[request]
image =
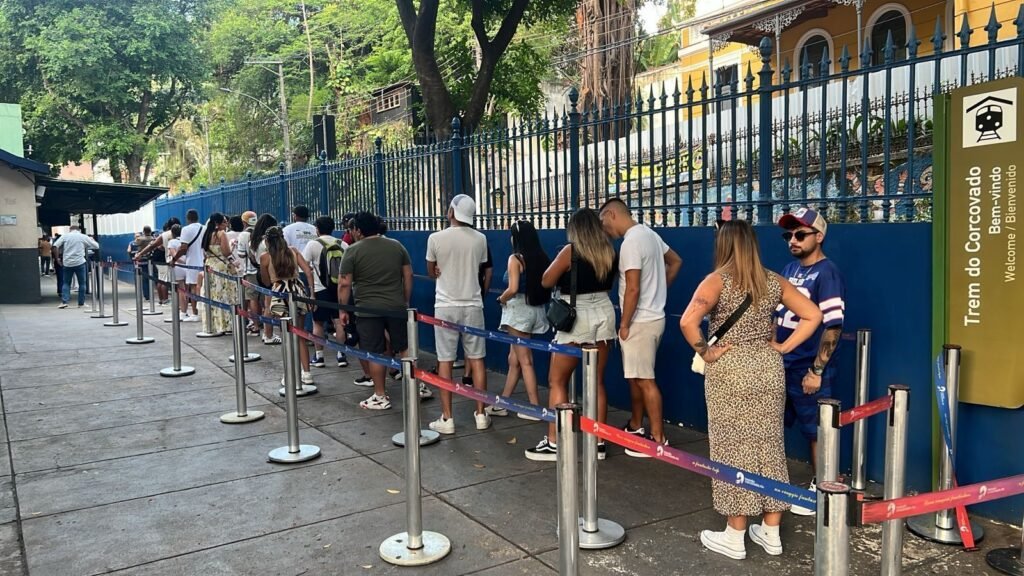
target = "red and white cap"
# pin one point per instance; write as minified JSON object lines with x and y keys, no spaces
{"x":804,"y":217}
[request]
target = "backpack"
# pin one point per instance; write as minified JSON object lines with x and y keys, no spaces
{"x":330,"y":263}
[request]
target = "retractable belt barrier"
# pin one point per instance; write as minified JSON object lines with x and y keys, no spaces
{"x":495,"y":400}
{"x":399,"y":314}
{"x":541,"y":345}
{"x":186,"y":267}
{"x":361,"y":354}
{"x":224,"y":275}
{"x":857,"y":413}
{"x":880,"y":511}
{"x":266,"y":291}
{"x":257,"y":317}
{"x":207,"y":301}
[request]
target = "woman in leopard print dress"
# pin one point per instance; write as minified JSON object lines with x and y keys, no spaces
{"x":745,"y":383}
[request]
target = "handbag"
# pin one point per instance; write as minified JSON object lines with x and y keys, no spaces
{"x":562,"y":314}
{"x":698,"y":364}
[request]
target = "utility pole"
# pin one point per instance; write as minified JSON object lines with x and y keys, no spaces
{"x":209,"y":153}
{"x":282,"y":116}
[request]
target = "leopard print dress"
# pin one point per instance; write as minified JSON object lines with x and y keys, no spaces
{"x":745,"y":392}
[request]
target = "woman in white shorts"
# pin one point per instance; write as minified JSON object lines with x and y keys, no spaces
{"x":522,"y":309}
{"x":596,"y":269}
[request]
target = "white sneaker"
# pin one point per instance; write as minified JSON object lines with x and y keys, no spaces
{"x":443,"y":426}
{"x":802,"y":511}
{"x":190,"y":318}
{"x":376,"y":402}
{"x":306,"y":377}
{"x":721,"y":543}
{"x":492,"y":411}
{"x":483,"y":421}
{"x":425,"y":392}
{"x":771,"y":544}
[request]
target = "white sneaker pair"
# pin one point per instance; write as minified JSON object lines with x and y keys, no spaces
{"x":730,"y":542}
{"x":447,"y":425}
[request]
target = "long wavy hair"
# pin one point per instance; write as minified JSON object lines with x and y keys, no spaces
{"x":281,"y":258}
{"x":590,"y":242}
{"x":216,"y":219}
{"x":526,"y":243}
{"x":738,"y":254}
{"x":260,"y":229}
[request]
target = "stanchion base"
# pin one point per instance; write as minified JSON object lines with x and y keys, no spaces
{"x":250,"y":357}
{"x":115,"y":323}
{"x":1006,"y":560}
{"x":101,"y":316}
{"x":143,"y":340}
{"x":924,"y":527}
{"x":183,"y":371}
{"x":304,"y":390}
{"x":152,"y":312}
{"x":608,"y":534}
{"x":168,"y":320}
{"x":427,"y":437}
{"x":872,"y":492}
{"x":208,"y":334}
{"x":236,"y":418}
{"x":394,"y":550}
{"x":283,"y":456}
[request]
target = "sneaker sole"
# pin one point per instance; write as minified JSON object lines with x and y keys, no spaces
{"x":374,"y":406}
{"x":527,"y":417}
{"x":714,"y":547}
{"x":364,"y":384}
{"x":545,"y":457}
{"x":801,"y":511}
{"x":636,"y":454}
{"x":443,"y":431}
{"x":771,"y":549}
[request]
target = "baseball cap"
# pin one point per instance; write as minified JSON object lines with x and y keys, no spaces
{"x":249,"y":217}
{"x":464,"y":208}
{"x":804,"y":217}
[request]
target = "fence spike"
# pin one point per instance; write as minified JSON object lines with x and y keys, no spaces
{"x":280,"y":167}
{"x":704,"y":85}
{"x":689,"y":89}
{"x":866,"y":53}
{"x":675,"y":91}
{"x":456,"y":127}
{"x":965,"y":33}
{"x":805,"y":64}
{"x":912,"y":42}
{"x":650,"y":98}
{"x":889,"y":52}
{"x":939,"y":37}
{"x":748,"y":80}
{"x":844,"y":59}
{"x":824,"y":64}
{"x":993,"y":26}
{"x":787,"y":71}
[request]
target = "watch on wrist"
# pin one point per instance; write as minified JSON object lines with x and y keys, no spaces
{"x":817,"y":371}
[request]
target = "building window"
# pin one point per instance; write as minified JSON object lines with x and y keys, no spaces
{"x":388,"y":101}
{"x":811,"y":52}
{"x":725,"y":78}
{"x":894,"y":21}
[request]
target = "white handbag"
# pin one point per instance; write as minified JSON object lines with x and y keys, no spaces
{"x":698,"y":364}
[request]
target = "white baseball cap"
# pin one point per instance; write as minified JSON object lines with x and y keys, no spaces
{"x":464,"y":208}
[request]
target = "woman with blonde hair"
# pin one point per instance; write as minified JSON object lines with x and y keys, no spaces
{"x":590,"y":251}
{"x":745,"y":385}
{"x":279,"y":268}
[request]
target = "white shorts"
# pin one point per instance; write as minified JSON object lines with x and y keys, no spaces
{"x":641,"y":348}
{"x":447,"y":341}
{"x":520,"y":316}
{"x":595,"y":320}
{"x":192,"y":276}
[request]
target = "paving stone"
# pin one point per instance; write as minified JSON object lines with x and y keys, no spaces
{"x":95,"y":484}
{"x":144,"y":368}
{"x":112,"y":353}
{"x":8,"y":509}
{"x":11,"y":561}
{"x":94,"y":445}
{"x":525,"y":567}
{"x":95,"y":391}
{"x":149,"y":529}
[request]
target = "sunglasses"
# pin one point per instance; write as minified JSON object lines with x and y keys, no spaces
{"x":800,"y":235}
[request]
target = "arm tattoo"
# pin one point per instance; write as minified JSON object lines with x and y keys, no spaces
{"x":828,"y":345}
{"x":701,"y":346}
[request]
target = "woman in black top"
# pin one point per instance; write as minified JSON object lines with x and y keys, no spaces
{"x":596,"y":269}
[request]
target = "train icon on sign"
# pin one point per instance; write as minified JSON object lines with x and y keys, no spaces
{"x":988,"y":117}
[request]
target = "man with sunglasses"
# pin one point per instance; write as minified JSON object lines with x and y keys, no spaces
{"x":808,"y":374}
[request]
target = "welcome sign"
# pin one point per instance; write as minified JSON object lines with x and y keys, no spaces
{"x":985,"y":294}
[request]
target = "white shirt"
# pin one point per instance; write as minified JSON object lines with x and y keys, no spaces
{"x":458,"y":252}
{"x":312,"y":253}
{"x":643,"y":250}
{"x":298,"y":234}
{"x":193,"y":236}
{"x":242,"y":252}
{"x":73,"y":246}
{"x":165,"y":240}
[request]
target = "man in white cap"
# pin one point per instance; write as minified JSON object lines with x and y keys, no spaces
{"x":454,"y":256}
{"x":808,"y":374}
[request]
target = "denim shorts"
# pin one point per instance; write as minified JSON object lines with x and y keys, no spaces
{"x":802,"y":409}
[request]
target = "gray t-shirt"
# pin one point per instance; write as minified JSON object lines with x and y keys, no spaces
{"x":458,"y":252}
{"x":73,"y":246}
{"x":376,"y":264}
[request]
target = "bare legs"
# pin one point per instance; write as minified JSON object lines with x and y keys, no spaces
{"x":520,"y":361}
{"x":558,"y":380}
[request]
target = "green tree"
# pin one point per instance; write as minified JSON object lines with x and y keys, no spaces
{"x":662,"y":47}
{"x":99,"y":80}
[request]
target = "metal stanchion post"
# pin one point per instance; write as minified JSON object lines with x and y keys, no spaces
{"x":241,"y":414}
{"x":860,"y":431}
{"x":895,"y":477}
{"x":97,"y":289}
{"x":114,"y":320}
{"x":291,"y":340}
{"x":91,"y":271}
{"x":828,"y":440}
{"x":1008,"y":560}
{"x":427,"y":437}
{"x":595,"y":533}
{"x":941,"y":527}
{"x":140,"y":338}
{"x":208,"y":331}
{"x":151,"y":270}
{"x":567,"y":424}
{"x":414,"y":547}
{"x":176,"y":369}
{"x":172,"y":293}
{"x":832,"y":548}
{"x":293,"y":452}
{"x":240,"y":302}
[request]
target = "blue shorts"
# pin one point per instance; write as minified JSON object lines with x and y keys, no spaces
{"x":802,"y":409}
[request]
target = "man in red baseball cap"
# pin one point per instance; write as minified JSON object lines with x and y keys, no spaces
{"x":808,"y":373}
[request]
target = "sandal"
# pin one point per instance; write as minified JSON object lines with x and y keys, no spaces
{"x":275,"y":339}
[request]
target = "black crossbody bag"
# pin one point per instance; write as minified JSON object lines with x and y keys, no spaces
{"x":697,"y":365}
{"x":562,"y":314}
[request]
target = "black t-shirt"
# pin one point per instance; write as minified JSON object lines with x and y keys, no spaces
{"x":483,"y":269}
{"x":586,"y":279}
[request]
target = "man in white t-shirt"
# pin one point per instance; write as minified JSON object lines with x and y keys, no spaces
{"x":454,"y":256}
{"x":646,"y":268}
{"x":300,"y":231}
{"x":324,"y":289}
{"x":192,"y":250}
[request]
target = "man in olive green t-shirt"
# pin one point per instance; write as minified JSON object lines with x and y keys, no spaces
{"x":381,"y":272}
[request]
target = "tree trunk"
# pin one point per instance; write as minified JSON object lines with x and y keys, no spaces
{"x":608,"y":30}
